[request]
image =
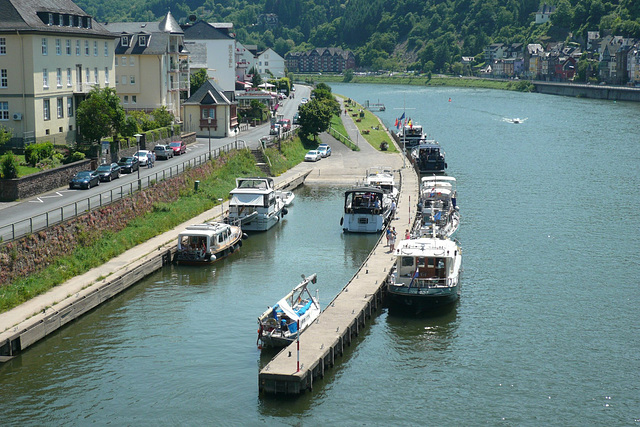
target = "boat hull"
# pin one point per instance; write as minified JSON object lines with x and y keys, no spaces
{"x":262,"y":222}
{"x":364,"y":223}
{"x":421,"y":300}
{"x":191,"y":258}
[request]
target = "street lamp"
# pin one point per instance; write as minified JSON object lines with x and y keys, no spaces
{"x":138,"y":136}
{"x":237,"y":132}
{"x":209,"y":127}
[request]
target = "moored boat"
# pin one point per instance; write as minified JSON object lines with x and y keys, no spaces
{"x":255,"y":204}
{"x":426,"y":275}
{"x":366,"y":210}
{"x":411,"y":135}
{"x":281,"y":324}
{"x":286,"y":196}
{"x":208,"y":242}
{"x":383,"y":178}
{"x":428,"y":157}
{"x":438,"y":212}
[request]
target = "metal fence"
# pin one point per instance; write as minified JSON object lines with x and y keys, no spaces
{"x":52,"y":217}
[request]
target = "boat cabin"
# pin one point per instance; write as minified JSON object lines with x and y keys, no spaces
{"x":427,"y":264}
{"x":207,"y":242}
{"x":364,"y":200}
{"x":429,"y":157}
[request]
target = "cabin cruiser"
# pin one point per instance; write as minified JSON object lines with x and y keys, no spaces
{"x":208,"y":242}
{"x":411,"y":135}
{"x":282,"y":323}
{"x":426,"y":274}
{"x":428,"y":157}
{"x":255,"y":204}
{"x":383,"y":178}
{"x":366,"y":210}
{"x":438,"y":212}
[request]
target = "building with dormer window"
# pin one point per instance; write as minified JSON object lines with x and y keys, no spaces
{"x":151,"y":65}
{"x":52,"y":54}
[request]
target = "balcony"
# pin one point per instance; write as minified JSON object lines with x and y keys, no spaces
{"x":84,"y":87}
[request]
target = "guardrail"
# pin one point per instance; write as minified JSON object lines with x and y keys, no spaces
{"x":343,"y":138}
{"x":52,"y":217}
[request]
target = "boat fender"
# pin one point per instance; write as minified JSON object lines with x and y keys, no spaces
{"x":341,"y":221}
{"x":213,"y":258}
{"x":232,"y":249}
{"x":245,"y":236}
{"x":207,"y":256}
{"x":239,"y":243}
{"x":284,"y":211}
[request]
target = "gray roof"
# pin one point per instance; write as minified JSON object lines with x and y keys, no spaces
{"x":203,"y":31}
{"x":210,"y":94}
{"x":22,"y":15}
{"x":157,"y":34}
{"x":197,"y":54}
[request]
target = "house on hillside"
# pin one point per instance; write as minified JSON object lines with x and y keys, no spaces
{"x":216,"y":51}
{"x":211,"y":111}
{"x":245,"y":61}
{"x":543,"y":15}
{"x":532,"y":62}
{"x":493,"y":52}
{"x":152,"y":65}
{"x":51,"y":55}
{"x":633,"y":64}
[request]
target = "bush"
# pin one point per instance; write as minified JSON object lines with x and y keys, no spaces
{"x":74,"y":157}
{"x":9,"y":166}
{"x":36,"y":153}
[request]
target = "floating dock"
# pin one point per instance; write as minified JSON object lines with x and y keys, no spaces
{"x":341,"y":321}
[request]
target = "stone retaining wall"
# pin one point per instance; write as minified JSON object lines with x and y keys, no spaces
{"x":41,"y":182}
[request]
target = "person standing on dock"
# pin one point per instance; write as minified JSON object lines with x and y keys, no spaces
{"x":388,"y":236}
{"x":392,"y":240}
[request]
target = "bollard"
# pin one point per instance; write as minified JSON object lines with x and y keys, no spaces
{"x":196,"y":184}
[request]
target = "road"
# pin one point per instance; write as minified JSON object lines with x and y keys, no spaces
{"x":38,"y":206}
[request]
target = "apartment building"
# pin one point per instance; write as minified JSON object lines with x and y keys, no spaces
{"x":151,"y":65}
{"x":52,"y":54}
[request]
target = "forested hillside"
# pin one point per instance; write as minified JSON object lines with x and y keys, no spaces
{"x":385,"y":34}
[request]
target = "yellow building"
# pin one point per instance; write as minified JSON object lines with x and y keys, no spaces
{"x":51,"y":55}
{"x":151,"y":65}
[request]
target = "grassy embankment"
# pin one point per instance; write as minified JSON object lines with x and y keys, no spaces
{"x":369,"y":127}
{"x":416,"y":81}
{"x":163,"y":217}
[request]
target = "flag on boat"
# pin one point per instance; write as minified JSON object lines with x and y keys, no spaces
{"x":438,"y":215}
{"x":397,"y":125}
{"x":402,"y":117}
{"x":410,"y":124}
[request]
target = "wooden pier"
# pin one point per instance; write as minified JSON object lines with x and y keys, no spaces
{"x":325,"y":340}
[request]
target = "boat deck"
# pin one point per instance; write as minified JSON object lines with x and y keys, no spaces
{"x":343,"y":318}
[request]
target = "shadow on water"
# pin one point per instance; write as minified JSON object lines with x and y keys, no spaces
{"x":427,"y":331}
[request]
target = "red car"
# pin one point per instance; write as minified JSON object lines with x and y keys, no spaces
{"x":178,"y":147}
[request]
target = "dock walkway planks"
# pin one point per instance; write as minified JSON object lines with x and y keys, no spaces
{"x":343,"y":318}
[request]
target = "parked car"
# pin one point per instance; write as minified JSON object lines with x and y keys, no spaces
{"x":178,"y":147}
{"x":143,"y":156}
{"x":163,"y":152}
{"x":285,"y":124}
{"x":304,"y":101}
{"x":312,"y":156}
{"x":275,"y":129}
{"x":128,"y":164}
{"x":84,"y":179}
{"x":324,"y":150}
{"x":107,"y":172}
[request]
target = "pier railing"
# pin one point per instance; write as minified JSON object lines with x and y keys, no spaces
{"x":343,"y":138}
{"x":52,"y":217}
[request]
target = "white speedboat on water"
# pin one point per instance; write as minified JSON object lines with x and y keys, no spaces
{"x":281,"y":324}
{"x":286,"y":196}
{"x":438,"y":212}
{"x":208,"y":242}
{"x":255,"y":204}
{"x":426,"y":274}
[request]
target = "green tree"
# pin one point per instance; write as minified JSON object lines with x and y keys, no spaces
{"x":163,"y":117}
{"x":9,"y":166}
{"x":100,"y":115}
{"x":5,"y":135}
{"x":315,"y":117}
{"x":198,"y":79}
{"x":348,"y":75}
{"x":256,"y":80}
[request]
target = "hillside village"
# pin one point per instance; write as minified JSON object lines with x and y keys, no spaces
{"x":52,"y":57}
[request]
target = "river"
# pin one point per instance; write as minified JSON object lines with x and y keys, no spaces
{"x":546,"y":332}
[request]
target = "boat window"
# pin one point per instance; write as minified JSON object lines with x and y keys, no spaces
{"x":220,"y":238}
{"x":431,"y":262}
{"x":421,"y":262}
{"x":407,"y":261}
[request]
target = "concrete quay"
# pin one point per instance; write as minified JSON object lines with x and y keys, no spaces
{"x":26,"y":324}
{"x":347,"y":313}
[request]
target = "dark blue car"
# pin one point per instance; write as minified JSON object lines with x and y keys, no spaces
{"x":84,"y":180}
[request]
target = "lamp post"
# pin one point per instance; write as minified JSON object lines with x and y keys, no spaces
{"x":138,"y":136}
{"x":209,"y":127}
{"x":237,"y":132}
